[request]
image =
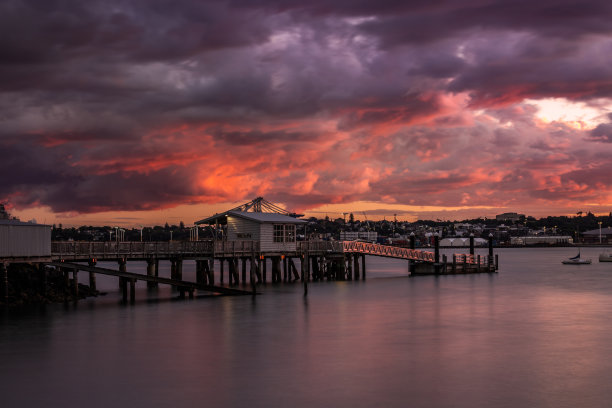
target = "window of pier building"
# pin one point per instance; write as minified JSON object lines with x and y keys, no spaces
{"x":284,"y":233}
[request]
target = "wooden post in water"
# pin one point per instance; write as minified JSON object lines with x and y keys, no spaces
{"x":173,"y":268}
{"x":444,"y":263}
{"x":454,"y":263}
{"x":150,"y":271}
{"x":4,"y":280}
{"x":252,"y":272}
{"x":123,"y":284}
{"x":92,"y":276}
{"x":436,"y":248}
{"x":411,"y":263}
{"x":478,"y":260}
{"x":490,"y":261}
{"x":437,"y":253}
{"x":75,"y":283}
{"x":211,"y":270}
{"x":199,"y":272}
{"x":132,"y":290}
{"x":285,"y":269}
{"x":349,"y":268}
{"x":236,"y":277}
{"x":220,"y":270}
{"x":244,"y":260}
{"x":156,"y":268}
{"x":264,"y":261}
{"x":179,"y":269}
{"x":363,"y":266}
{"x":276,"y":273}
{"x":122,"y":268}
{"x":472,"y":244}
{"x":356,"y":266}
{"x":293,"y":268}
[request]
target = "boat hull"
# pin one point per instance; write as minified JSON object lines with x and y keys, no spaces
{"x":578,"y":262}
{"x":605,"y":257}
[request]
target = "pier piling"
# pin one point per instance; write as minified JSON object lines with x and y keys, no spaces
{"x":92,"y":276}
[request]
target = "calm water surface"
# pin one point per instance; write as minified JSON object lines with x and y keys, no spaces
{"x":538,"y":334}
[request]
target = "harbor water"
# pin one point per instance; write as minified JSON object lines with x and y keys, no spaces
{"x":536,"y":334}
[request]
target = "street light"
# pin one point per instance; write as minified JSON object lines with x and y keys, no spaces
{"x":599,"y":222}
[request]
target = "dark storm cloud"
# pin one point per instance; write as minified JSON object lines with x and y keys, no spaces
{"x":131,"y":104}
{"x":602,"y":133}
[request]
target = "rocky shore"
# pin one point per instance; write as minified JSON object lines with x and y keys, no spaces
{"x":29,"y":285}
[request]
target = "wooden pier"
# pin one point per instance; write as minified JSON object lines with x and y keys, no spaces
{"x":253,"y":239}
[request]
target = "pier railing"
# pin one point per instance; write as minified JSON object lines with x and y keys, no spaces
{"x":80,"y":250}
{"x":471,"y":259}
{"x":319,"y":246}
{"x":111,"y":250}
{"x":387,"y":251}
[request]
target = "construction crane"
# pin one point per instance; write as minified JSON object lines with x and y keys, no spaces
{"x":367,"y":222}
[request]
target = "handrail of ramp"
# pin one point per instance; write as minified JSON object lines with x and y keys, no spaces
{"x":387,"y":250}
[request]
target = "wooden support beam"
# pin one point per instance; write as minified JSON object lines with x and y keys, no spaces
{"x":75,"y":283}
{"x":363,"y":266}
{"x":296,"y":275}
{"x":285,"y":269}
{"x":211,"y":271}
{"x":232,"y":270}
{"x":276,"y":269}
{"x":244,"y":270}
{"x":199,"y":273}
{"x":356,"y":266}
{"x":236,"y":274}
{"x":150,"y":272}
{"x":122,"y":268}
{"x":316,"y":272}
{"x":349,"y":270}
{"x":132,"y":290}
{"x":124,"y":289}
{"x":92,"y":276}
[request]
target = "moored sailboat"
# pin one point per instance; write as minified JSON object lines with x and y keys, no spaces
{"x":576,"y":260}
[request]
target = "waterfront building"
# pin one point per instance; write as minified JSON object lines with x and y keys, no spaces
{"x":593,"y":236}
{"x":273,"y":228}
{"x":542,"y":240}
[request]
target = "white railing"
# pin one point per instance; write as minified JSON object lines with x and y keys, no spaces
{"x":470,"y":259}
{"x":388,"y":251}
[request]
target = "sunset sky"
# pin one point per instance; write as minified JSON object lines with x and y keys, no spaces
{"x":145,"y":112}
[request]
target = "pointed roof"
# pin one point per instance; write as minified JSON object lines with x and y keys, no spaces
{"x":259,"y":209}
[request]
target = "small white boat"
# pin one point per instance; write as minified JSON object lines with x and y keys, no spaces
{"x":605,"y":257}
{"x":576,"y":260}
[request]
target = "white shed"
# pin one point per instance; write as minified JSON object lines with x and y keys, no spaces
{"x":24,"y":240}
{"x":273,"y":230}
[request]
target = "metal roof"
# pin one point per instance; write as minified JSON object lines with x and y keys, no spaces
{"x":18,"y":222}
{"x":263,"y":218}
{"x":257,"y":206}
{"x":604,"y":231}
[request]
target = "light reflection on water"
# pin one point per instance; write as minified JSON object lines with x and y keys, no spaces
{"x":535,"y":335}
